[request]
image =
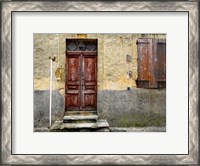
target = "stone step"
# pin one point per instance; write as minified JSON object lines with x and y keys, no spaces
{"x":100,"y":125}
{"x":79,"y":118}
{"x":81,"y":113}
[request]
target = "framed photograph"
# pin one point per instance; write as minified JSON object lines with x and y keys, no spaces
{"x":99,"y":82}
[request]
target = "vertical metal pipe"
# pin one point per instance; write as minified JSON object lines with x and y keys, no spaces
{"x":50,"y":89}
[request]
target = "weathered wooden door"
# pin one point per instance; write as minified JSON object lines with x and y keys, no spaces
{"x":81,"y":76}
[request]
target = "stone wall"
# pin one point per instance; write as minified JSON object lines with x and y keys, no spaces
{"x":137,"y":107}
{"x":114,"y":100}
{"x":41,"y":107}
{"x":123,"y":108}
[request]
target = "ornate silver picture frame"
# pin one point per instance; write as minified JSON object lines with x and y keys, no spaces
{"x":8,"y":7}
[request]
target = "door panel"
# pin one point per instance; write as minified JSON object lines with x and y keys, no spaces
{"x":89,"y":68}
{"x":73,"y":83}
{"x":89,"y":82}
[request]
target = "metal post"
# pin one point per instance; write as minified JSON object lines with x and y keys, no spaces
{"x":51,"y":86}
{"x":50,"y":89}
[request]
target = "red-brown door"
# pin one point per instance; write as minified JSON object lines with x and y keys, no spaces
{"x":89,"y":82}
{"x":81,"y":81}
{"x":72,"y":95}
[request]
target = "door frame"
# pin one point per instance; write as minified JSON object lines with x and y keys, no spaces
{"x":81,"y":53}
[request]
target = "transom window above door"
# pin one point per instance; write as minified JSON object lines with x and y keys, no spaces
{"x":82,"y":45}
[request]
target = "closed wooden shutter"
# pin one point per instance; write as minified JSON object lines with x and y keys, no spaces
{"x":151,"y":63}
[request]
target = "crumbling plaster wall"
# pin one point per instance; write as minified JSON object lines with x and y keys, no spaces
{"x":113,"y":69}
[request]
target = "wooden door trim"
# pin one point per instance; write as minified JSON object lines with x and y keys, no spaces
{"x":74,"y":53}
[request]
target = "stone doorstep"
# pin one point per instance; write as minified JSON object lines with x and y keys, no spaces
{"x":80,"y":117}
{"x":70,"y":113}
{"x":98,"y":124}
{"x":59,"y":125}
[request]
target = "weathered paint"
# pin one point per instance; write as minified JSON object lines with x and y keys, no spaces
{"x":113,"y":67}
{"x":151,"y":63}
{"x":114,"y":75}
{"x":125,"y":108}
{"x":81,"y":80}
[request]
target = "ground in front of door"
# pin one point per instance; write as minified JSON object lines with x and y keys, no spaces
{"x":117,"y":129}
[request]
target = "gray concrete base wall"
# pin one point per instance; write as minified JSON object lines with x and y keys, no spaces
{"x":41,"y":107}
{"x":124,"y":108}
{"x":137,"y":107}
